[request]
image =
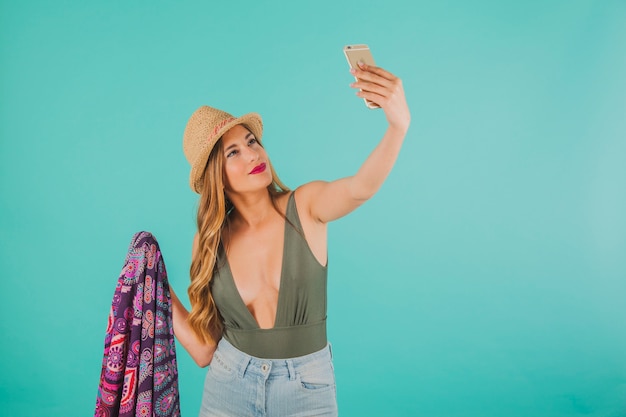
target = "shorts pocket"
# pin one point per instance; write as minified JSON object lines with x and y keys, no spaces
{"x":220,"y":369}
{"x":319,"y":378}
{"x":315,"y":386}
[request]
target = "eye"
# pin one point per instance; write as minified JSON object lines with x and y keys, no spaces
{"x":252,"y":141}
{"x":232,"y":153}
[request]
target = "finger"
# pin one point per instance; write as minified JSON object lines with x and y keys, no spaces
{"x":371,"y":87}
{"x":392,"y":89}
{"x":370,"y":77}
{"x":373,"y":97}
{"x":368,"y":74}
{"x":382,"y":96}
{"x":377,"y":70}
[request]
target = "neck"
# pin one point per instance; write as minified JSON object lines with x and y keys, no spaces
{"x":252,"y":210}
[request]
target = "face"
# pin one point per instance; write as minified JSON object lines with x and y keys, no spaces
{"x":246,"y":164}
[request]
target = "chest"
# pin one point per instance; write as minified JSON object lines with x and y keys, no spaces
{"x":256,"y":263}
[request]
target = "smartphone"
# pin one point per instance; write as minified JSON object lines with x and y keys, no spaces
{"x":360,"y":53}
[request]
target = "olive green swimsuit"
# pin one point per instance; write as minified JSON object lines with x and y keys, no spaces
{"x":300,"y":325}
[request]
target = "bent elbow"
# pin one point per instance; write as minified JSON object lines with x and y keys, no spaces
{"x":203,"y":362}
{"x":361,"y":194}
{"x":362,"y":189}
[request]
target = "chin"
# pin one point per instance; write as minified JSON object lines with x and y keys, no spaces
{"x":267,"y":175}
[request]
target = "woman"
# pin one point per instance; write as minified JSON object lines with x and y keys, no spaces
{"x":258,"y":273}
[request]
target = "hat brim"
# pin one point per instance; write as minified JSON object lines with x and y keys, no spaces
{"x":252,"y":121}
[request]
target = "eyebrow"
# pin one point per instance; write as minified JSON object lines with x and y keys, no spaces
{"x":234,"y":145}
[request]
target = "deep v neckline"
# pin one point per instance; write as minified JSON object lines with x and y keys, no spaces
{"x":280,"y":283}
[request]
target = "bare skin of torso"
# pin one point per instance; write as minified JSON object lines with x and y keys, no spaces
{"x":255,"y":257}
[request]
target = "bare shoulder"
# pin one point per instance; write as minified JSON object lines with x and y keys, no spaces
{"x":307,"y":192}
{"x":315,"y":231}
{"x":282,"y":200}
{"x":305,"y":195}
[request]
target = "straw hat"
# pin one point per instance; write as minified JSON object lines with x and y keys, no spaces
{"x":204,"y":128}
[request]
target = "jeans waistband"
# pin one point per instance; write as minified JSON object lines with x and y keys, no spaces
{"x":243,"y":363}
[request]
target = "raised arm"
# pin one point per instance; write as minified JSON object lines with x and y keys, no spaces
{"x":327,"y":201}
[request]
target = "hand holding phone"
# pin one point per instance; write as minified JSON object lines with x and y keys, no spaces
{"x":356,"y":54}
{"x":378,"y":87}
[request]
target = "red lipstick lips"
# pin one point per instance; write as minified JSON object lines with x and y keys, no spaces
{"x":258,"y":169}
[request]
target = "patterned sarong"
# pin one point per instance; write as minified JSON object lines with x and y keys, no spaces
{"x":139,"y":374}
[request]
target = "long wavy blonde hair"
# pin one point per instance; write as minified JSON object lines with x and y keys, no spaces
{"x":213,"y":211}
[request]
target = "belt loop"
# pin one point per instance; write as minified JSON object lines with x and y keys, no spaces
{"x":243,"y":366}
{"x":330,"y":349}
{"x":291,"y":369}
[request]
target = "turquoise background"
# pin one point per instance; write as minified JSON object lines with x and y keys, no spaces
{"x":486,"y":278}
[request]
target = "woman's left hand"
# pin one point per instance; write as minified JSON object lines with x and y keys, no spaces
{"x":386,"y":90}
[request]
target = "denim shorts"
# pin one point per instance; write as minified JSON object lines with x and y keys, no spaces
{"x":241,"y":385}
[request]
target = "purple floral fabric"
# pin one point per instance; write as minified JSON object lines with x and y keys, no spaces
{"x":139,"y":373}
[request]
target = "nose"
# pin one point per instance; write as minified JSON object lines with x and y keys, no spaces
{"x":252,"y":154}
